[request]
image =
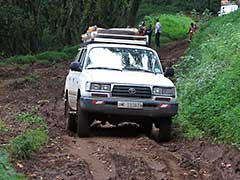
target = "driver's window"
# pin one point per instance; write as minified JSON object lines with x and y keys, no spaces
{"x":78,"y":57}
{"x":83,"y":55}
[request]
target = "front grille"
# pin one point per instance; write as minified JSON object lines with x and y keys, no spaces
{"x":131,"y":91}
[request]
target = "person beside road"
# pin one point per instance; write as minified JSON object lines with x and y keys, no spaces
{"x":158,"y":28}
{"x":192,"y":29}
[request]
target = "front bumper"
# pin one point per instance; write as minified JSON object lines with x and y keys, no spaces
{"x":109,"y":106}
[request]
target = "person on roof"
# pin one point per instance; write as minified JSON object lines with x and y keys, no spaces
{"x":142,"y":29}
{"x":92,"y":29}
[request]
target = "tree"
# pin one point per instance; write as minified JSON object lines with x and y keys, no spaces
{"x":32,"y":26}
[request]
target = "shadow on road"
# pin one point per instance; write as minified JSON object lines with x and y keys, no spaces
{"x":126,"y":130}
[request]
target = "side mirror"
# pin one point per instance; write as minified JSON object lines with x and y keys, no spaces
{"x":75,"y":66}
{"x":169,"y":72}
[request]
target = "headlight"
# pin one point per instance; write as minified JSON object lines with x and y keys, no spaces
{"x":100,"y":87}
{"x":164,"y":91}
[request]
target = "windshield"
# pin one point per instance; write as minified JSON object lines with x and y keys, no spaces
{"x":128,"y":59}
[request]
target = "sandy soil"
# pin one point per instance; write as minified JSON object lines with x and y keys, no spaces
{"x":111,"y":153}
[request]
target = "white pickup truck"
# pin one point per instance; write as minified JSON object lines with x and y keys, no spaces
{"x":227,"y":8}
{"x":117,"y":78}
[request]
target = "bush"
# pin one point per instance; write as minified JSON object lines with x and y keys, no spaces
{"x":52,"y":56}
{"x":208,"y":80}
{"x":71,"y":51}
{"x":174,"y":27}
{"x":21,"y":59}
{"x":6,"y":170}
{"x":24,"y":144}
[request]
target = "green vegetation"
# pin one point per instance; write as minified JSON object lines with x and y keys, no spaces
{"x":31,"y":78}
{"x":48,"y":57}
{"x":70,"y":51}
{"x":7,"y":172}
{"x":24,"y":144}
{"x":3,"y":127}
{"x":21,"y":59}
{"x":174,"y":27}
{"x":209,"y":83}
{"x":155,"y":7}
{"x":31,"y":119}
{"x":44,"y":58}
{"x":51,"y":56}
{"x":31,"y":140}
{"x":31,"y":27}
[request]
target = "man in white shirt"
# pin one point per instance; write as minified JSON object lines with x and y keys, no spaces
{"x":158,"y":28}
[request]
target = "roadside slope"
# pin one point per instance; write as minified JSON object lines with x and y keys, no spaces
{"x":208,"y":81}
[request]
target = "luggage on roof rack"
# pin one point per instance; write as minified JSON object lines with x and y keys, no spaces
{"x":115,"y":35}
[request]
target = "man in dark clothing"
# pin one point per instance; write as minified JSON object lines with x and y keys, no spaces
{"x":149,"y":33}
{"x":158,"y":27}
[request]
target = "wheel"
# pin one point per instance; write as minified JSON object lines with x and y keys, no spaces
{"x":83,"y":124}
{"x":71,"y":124}
{"x":146,"y":128}
{"x":165,"y":128}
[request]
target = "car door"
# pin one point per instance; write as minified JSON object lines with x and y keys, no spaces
{"x":71,"y":79}
{"x":76,"y":78}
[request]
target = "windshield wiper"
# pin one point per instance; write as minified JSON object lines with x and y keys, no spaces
{"x":114,"y":69}
{"x":136,"y":69}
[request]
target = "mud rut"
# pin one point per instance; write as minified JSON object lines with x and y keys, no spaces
{"x":111,"y":153}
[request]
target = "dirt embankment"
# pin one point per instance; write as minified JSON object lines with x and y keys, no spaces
{"x":110,"y":154}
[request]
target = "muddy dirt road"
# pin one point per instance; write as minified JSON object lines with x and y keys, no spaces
{"x":111,"y":153}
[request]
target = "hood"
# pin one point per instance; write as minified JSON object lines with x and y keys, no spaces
{"x":127,"y":77}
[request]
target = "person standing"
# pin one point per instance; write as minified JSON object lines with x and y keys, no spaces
{"x":149,"y":33}
{"x":191,"y":30}
{"x":158,"y":28}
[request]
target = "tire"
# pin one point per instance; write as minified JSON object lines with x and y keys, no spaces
{"x":165,"y":129}
{"x":83,"y":124}
{"x":146,"y":128}
{"x":71,"y":124}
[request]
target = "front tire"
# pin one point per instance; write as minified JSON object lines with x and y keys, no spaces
{"x":71,"y":124}
{"x":83,"y":124}
{"x":146,"y":128}
{"x":165,"y":129}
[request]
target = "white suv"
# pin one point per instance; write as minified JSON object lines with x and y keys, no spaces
{"x":119,"y":81}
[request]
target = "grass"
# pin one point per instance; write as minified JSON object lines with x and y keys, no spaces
{"x":52,"y":56}
{"x":208,"y":82}
{"x":174,"y":27}
{"x":22,"y":59}
{"x":3,"y":127}
{"x":24,"y":144}
{"x":148,"y":9}
{"x":7,"y":172}
{"x":31,"y":140}
{"x":31,"y":77}
{"x":71,"y":51}
{"x":48,"y":57}
{"x":31,"y":119}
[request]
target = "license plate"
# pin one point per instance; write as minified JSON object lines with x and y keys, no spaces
{"x":130,"y":105}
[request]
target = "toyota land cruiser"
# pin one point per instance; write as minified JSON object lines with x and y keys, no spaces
{"x":117,"y":78}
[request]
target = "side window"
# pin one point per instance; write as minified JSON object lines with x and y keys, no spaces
{"x":78,"y":57}
{"x":82,"y":58}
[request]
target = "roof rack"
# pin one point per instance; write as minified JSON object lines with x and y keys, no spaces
{"x":116,"y":35}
